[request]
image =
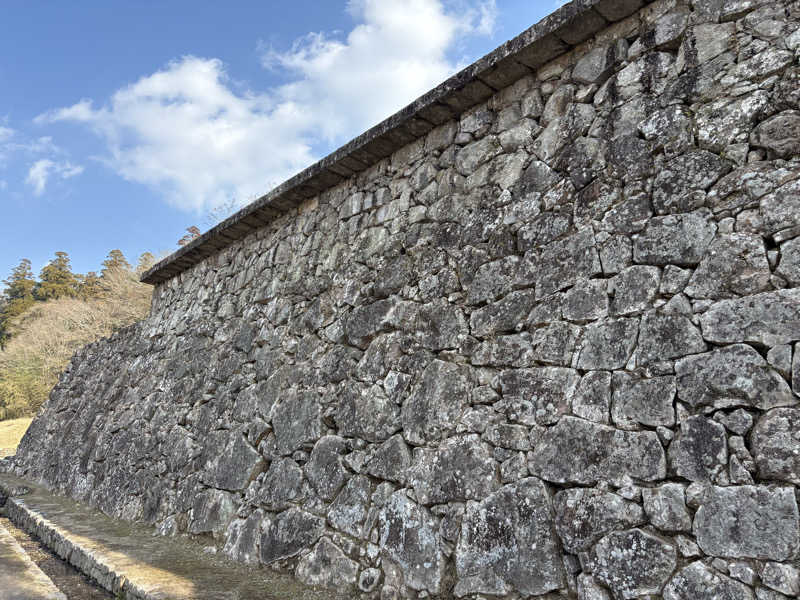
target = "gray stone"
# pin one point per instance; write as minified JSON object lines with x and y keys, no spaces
{"x":748,"y":522}
{"x":436,"y":402}
{"x":512,"y":437}
{"x":598,"y":64}
{"x":781,"y":578}
{"x":607,"y":344}
{"x":587,"y":300}
{"x":212,"y":511}
{"x":590,"y":589}
{"x":349,"y":510}
{"x":633,"y":563}
{"x":582,"y":452}
{"x":460,"y":469}
{"x":735,"y":375}
{"x":780,"y":209}
{"x":554,"y":343}
{"x":238,"y":464}
{"x":699,"y":582}
{"x":563,"y":262}
{"x":493,"y":280}
{"x":243,"y":538}
{"x":674,"y":280}
{"x":779,"y":134}
{"x":680,"y":240}
{"x":369,"y":579}
{"x":672,"y":129}
{"x":683,"y":176}
{"x":539,"y":395}
{"x":325,"y":470}
{"x":367,"y":413}
{"x":390,"y":460}
{"x":507,"y":315}
{"x":440,"y":325}
{"x":327,"y":566}
{"x":592,"y":399}
{"x":665,"y":506}
{"x":700,"y":451}
{"x":789,"y":267}
{"x":280,"y":485}
{"x":634,"y":290}
{"x":365,"y":322}
{"x":408,"y":538}
{"x":289,"y":534}
{"x":297,"y":420}
{"x":642,"y":401}
{"x":508,"y":544}
{"x":776,"y":445}
{"x":665,"y":336}
{"x":780,"y":358}
{"x":583,"y":516}
{"x":738,"y":421}
{"x":736,"y":265}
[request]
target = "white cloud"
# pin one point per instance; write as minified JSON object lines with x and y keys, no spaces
{"x":3,"y":184}
{"x":187,"y":133}
{"x":5,"y":133}
{"x":42,"y":170}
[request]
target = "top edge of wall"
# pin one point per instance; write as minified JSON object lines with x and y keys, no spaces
{"x":551,"y":37}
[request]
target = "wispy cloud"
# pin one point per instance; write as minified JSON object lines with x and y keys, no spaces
{"x":187,"y":132}
{"x":43,"y":170}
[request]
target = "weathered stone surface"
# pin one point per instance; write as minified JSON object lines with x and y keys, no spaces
{"x":598,"y":64}
{"x":288,"y":534}
{"x":325,"y":470}
{"x":563,"y":262}
{"x":328,"y":567}
{"x":390,"y":460}
{"x":539,"y":395}
{"x":586,"y":301}
{"x":583,"y":516}
{"x":664,"y":336}
{"x":508,"y":543}
{"x":460,"y":469}
{"x":297,"y":420}
{"x":781,"y":578}
{"x":633,"y":563}
{"x":349,"y":509}
{"x":699,"y":582}
{"x":212,"y":511}
{"x":592,"y":399}
{"x":776,"y":445}
{"x":607,"y":344}
{"x":436,"y":402}
{"x":237,"y":466}
{"x":770,"y":319}
{"x":680,"y":240}
{"x":367,"y":413}
{"x":243,"y":538}
{"x":493,"y":280}
{"x":683,"y":176}
{"x":280,"y":485}
{"x":748,"y":522}
{"x":789,"y":267}
{"x":665,"y":506}
{"x":700,"y":450}
{"x":779,"y":134}
{"x":634,"y":290}
{"x":735,"y":375}
{"x":507,"y":315}
{"x":642,"y":401}
{"x":736,"y":265}
{"x":582,"y":452}
{"x":408,"y":537}
{"x":365,"y":322}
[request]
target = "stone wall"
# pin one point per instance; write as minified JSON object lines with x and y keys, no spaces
{"x":548,"y":348}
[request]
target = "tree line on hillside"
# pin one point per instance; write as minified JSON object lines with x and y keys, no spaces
{"x":57,"y":280}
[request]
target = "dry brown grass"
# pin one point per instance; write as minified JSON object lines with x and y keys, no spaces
{"x":46,"y":336}
{"x":11,"y":433}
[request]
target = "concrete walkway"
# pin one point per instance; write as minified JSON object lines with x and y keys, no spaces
{"x":20,"y":578}
{"x":126,"y":559}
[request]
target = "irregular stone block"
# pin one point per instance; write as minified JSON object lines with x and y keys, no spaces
{"x":607,"y":344}
{"x":409,"y":538}
{"x":493,"y":280}
{"x":280,"y":485}
{"x":508,"y":543}
{"x":770,"y":319}
{"x":634,"y":290}
{"x":581,"y":452}
{"x":789,"y":267}
{"x":325,"y":469}
{"x":440,"y":325}
{"x":598,"y":64}
{"x":642,"y":401}
{"x":563,"y":262}
{"x":665,"y":336}
{"x":237,"y":465}
{"x":328,"y":567}
{"x":297,"y":420}
{"x":432,"y":410}
{"x":680,"y":240}
{"x":583,"y":516}
{"x":542,"y":393}
{"x":349,"y":510}
{"x":288,"y":534}
{"x":212,"y":511}
{"x":243,"y":537}
{"x":776,"y":445}
{"x":365,"y":322}
{"x":666,"y":507}
{"x":684,"y":175}
{"x":460,"y":469}
{"x":700,"y":450}
{"x":699,"y":582}
{"x":633,"y":563}
{"x":779,"y":134}
{"x":736,"y":265}
{"x":782,"y":578}
{"x":586,"y":301}
{"x":748,"y":522}
{"x":367,"y":413}
{"x":592,"y":399}
{"x":735,"y":375}
{"x":390,"y":460}
{"x":507,"y":315}
{"x":554,"y":344}
{"x":781,"y":209}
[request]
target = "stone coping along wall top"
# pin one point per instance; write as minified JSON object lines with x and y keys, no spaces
{"x":556,"y":34}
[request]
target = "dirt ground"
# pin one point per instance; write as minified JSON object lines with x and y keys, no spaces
{"x":11,"y":433}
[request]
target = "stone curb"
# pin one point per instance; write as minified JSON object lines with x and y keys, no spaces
{"x":551,"y":37}
{"x":20,"y":577}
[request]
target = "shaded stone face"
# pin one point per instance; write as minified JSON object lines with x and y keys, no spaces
{"x":508,"y":543}
{"x":776,"y":445}
{"x":697,"y":581}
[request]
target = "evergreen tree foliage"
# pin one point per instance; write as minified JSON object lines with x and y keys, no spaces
{"x":56,"y":280}
{"x":146,"y":261}
{"x":90,"y":285}
{"x":115,"y":261}
{"x":17,"y":297}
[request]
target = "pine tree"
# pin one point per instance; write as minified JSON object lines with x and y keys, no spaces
{"x":115,"y":261}
{"x":90,"y":285}
{"x":146,"y":261}
{"x":17,"y":297}
{"x":56,"y":279}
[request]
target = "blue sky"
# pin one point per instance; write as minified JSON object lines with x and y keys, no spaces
{"x":122,"y":123}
